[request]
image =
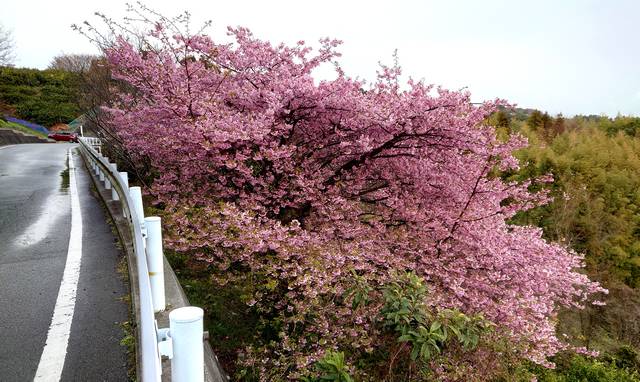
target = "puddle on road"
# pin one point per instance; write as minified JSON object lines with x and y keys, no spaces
{"x":64,"y":182}
{"x":54,"y":207}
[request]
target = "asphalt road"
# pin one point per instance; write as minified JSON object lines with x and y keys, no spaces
{"x":35,"y":226}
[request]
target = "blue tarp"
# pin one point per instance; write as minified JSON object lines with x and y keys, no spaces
{"x":30,"y":125}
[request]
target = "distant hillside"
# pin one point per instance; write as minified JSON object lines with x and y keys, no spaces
{"x":17,"y":127}
{"x":522,"y":114}
{"x":26,"y":124}
{"x":44,"y":97}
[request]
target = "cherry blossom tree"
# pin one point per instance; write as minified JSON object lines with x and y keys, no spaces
{"x":305,"y":188}
{"x":7,"y":47}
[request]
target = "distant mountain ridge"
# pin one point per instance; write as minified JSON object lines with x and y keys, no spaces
{"x":522,"y":114}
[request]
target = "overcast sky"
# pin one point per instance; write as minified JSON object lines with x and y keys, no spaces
{"x":563,"y":56}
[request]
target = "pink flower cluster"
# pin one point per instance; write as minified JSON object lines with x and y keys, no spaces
{"x":267,"y":173}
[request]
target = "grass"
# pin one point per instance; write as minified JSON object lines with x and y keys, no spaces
{"x":129,"y":342}
{"x":230,"y":322}
{"x":17,"y":127}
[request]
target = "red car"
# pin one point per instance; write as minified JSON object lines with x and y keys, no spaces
{"x":64,"y":136}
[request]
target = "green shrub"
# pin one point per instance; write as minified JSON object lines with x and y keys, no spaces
{"x":331,"y":367}
{"x":427,"y":332}
{"x":581,"y":369}
{"x":44,"y":97}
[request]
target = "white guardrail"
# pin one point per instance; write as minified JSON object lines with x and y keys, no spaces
{"x":182,"y":341}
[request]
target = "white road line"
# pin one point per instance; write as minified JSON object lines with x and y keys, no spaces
{"x":4,"y":147}
{"x":55,"y":349}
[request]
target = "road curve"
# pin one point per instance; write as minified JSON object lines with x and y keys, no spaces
{"x":35,"y":227}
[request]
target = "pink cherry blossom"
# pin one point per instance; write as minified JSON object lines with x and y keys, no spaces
{"x":299,"y":183}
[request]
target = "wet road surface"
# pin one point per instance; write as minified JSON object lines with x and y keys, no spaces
{"x":35,"y":227}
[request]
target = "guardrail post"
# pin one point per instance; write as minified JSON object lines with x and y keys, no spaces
{"x":186,"y":328}
{"x":155,"y":261}
{"x":107,"y":183}
{"x":114,"y":194}
{"x":136,"y":196}
{"x":125,"y":179}
{"x":101,"y":173}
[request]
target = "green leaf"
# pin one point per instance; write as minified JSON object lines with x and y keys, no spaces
{"x":405,"y":338}
{"x":415,"y":352}
{"x":425,"y":352}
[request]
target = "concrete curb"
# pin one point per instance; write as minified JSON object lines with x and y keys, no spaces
{"x":174,"y":294}
{"x":10,"y":137}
